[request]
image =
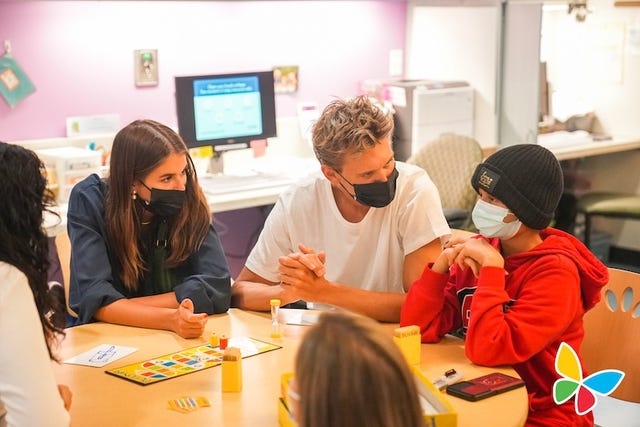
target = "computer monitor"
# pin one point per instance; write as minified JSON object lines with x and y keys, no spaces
{"x":225,"y":111}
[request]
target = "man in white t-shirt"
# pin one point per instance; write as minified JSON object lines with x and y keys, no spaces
{"x":357,"y":233}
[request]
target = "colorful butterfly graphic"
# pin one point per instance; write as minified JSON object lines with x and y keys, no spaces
{"x":586,"y":390}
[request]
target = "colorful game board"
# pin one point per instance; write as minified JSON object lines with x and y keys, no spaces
{"x":187,"y":361}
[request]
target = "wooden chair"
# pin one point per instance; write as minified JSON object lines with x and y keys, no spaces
{"x":612,"y":341}
{"x":450,"y":160}
{"x":64,"y":253}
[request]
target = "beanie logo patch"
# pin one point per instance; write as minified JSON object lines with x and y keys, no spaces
{"x":488,"y":179}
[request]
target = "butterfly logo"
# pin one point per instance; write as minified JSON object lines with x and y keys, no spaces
{"x":572,"y":384}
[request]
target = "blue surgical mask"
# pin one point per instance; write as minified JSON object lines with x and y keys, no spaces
{"x":489,"y":220}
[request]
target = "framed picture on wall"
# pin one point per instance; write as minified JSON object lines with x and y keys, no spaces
{"x":285,"y":79}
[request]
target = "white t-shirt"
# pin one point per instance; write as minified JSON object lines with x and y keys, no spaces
{"x":28,"y":390}
{"x":368,"y":254}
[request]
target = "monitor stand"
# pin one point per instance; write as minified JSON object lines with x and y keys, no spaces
{"x":216,"y":163}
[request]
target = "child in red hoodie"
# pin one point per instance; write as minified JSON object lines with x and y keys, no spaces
{"x":519,"y":289}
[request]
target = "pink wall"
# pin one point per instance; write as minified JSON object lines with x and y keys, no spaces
{"x":79,"y":54}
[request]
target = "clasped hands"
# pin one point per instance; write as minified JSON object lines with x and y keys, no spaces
{"x":186,"y":323}
{"x":472,"y":253}
{"x":301,"y":275}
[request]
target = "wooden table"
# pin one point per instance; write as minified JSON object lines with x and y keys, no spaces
{"x":100,"y":399}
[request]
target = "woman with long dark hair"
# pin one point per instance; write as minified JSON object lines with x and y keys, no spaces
{"x":143,"y":250}
{"x":28,"y":392}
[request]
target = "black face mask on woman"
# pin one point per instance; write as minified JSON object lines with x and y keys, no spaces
{"x":375,"y":194}
{"x":164,"y":203}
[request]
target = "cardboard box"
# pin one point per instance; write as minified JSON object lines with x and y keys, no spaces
{"x":285,"y":418}
{"x":407,"y":339}
{"x":444,"y":414}
{"x":440,"y":412}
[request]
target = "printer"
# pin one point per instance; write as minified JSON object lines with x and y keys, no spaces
{"x":425,"y":109}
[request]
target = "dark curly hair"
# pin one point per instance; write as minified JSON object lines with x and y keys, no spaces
{"x":23,"y":241}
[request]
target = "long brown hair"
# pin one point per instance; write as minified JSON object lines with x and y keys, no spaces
{"x":349,"y":373}
{"x":137,"y":149}
{"x":23,"y":241}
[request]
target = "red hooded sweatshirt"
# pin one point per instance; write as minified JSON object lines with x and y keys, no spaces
{"x":516,"y":316}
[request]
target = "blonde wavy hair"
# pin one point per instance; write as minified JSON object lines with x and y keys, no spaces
{"x":347,"y":127}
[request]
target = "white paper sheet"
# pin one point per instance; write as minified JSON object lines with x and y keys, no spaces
{"x":301,"y":317}
{"x":101,"y":355}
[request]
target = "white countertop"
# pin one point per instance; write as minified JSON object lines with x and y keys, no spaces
{"x":585,"y":147}
{"x":295,"y":167}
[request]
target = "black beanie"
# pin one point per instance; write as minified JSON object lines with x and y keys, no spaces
{"x":527,"y":178}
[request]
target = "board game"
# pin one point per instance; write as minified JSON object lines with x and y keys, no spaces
{"x":187,"y":361}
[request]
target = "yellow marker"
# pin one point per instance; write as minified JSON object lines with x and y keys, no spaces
{"x":407,"y":339}
{"x":232,"y":370}
{"x":275,"y":323}
{"x":214,"y":340}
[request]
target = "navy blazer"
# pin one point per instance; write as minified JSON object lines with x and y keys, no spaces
{"x":95,"y":273}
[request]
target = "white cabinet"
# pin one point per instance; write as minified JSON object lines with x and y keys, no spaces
{"x":425,"y":109}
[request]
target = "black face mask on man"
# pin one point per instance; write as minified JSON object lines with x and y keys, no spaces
{"x":164,"y":203}
{"x":375,"y":194}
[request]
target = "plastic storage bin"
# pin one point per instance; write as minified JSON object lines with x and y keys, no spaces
{"x":66,"y":166}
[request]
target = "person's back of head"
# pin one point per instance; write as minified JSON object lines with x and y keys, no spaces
{"x":23,"y":241}
{"x":349,"y":372}
{"x":349,"y":126}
